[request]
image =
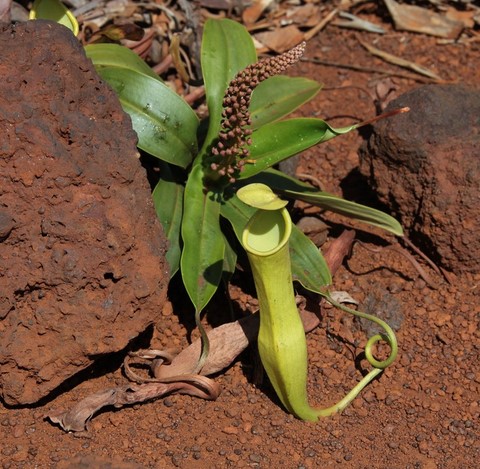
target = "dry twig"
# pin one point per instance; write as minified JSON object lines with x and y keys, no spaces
{"x":363,"y":69}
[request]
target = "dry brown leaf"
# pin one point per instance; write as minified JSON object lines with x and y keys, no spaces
{"x":282,"y":39}
{"x":251,"y":14}
{"x":76,"y":419}
{"x":465,"y":17}
{"x":306,"y":15}
{"x":320,"y":25}
{"x":422,"y":20}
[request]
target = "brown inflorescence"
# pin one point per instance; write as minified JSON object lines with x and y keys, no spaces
{"x":234,"y":136}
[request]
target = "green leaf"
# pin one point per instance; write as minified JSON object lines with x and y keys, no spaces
{"x":278,"y":141}
{"x":165,"y":124}
{"x":295,"y":189}
{"x":350,"y":209}
{"x":203,"y":241}
{"x":279,"y":96}
{"x":279,"y":181}
{"x":168,"y":202}
{"x":55,"y":11}
{"x":308,"y":265}
{"x":114,"y":55}
{"x":227,"y":48}
{"x":229,"y":260}
{"x":237,"y":213}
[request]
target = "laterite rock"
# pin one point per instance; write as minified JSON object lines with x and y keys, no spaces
{"x":82,"y":266}
{"x":425,"y":166}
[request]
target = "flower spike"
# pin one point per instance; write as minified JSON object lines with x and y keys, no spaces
{"x":230,"y":152}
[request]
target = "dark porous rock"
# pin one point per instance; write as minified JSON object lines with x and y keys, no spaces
{"x":82,"y":255}
{"x":425,"y":166}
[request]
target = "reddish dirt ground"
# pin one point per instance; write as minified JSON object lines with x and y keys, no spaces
{"x":421,"y":413}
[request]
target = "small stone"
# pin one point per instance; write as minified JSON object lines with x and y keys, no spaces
{"x":18,"y":431}
{"x":310,"y":453}
{"x":6,"y":225}
{"x":233,"y":457}
{"x":435,"y":406}
{"x":230,"y":430}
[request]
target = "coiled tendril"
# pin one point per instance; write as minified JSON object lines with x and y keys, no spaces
{"x":378,"y":366}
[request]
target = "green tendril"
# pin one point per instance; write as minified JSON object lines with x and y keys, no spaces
{"x":389,"y":336}
{"x":378,"y":366}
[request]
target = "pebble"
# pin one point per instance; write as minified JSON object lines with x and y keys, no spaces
{"x":18,"y":431}
{"x":167,"y":402}
{"x":256,"y":430}
{"x":435,"y":406}
{"x":380,"y":393}
{"x":21,"y":454}
{"x":230,"y":430}
{"x":309,"y":453}
{"x":233,"y":457}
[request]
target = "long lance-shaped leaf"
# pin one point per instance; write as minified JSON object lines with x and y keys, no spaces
{"x":168,"y":202}
{"x":165,"y":124}
{"x":227,"y":48}
{"x":279,"y":96}
{"x":308,"y":264}
{"x":292,"y":188}
{"x":237,"y":213}
{"x":114,"y":55}
{"x":277,"y":180}
{"x":203,"y":241}
{"x":278,"y":141}
{"x":229,"y":261}
{"x":350,"y":209}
